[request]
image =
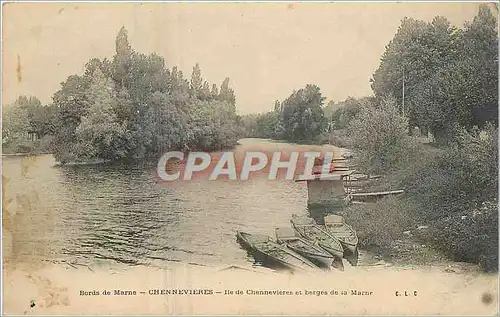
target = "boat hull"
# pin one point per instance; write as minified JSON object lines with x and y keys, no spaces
{"x":351,"y":254}
{"x":306,"y":248}
{"x":265,"y":256}
{"x":337,"y":252}
{"x":321,"y":260}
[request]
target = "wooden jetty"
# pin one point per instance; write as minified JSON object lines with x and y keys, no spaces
{"x":375,"y":195}
{"x":339,"y":185}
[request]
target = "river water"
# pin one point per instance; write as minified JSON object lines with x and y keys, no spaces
{"x":118,"y":214}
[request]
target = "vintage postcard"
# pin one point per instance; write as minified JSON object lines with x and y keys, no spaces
{"x":260,"y":158}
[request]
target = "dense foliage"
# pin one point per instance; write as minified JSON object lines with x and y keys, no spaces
{"x":457,"y":191}
{"x":347,"y":110}
{"x":450,"y":75}
{"x":129,"y":107}
{"x":379,"y":135}
{"x":24,"y":117}
{"x":299,"y":118}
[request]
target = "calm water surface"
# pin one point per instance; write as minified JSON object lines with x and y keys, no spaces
{"x":118,"y":214}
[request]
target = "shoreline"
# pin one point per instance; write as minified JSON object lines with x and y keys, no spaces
{"x":27,"y":154}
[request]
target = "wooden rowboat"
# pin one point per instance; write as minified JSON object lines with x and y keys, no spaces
{"x":307,"y":249}
{"x":336,"y":225}
{"x":266,"y":249}
{"x":309,"y":230}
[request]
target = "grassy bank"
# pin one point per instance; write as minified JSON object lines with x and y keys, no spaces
{"x":388,"y":230}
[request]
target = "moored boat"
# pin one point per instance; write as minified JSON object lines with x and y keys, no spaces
{"x":270,"y":250}
{"x":309,"y":230}
{"x":307,"y":249}
{"x":347,"y":236}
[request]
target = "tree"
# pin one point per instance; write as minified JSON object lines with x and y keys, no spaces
{"x":347,"y":110}
{"x":416,"y":52}
{"x":379,"y":136}
{"x":196,"y":83}
{"x":99,"y":134}
{"x":226,"y":93}
{"x":331,"y":107}
{"x":71,"y":103}
{"x":122,"y":61}
{"x":464,"y":91}
{"x":479,"y":51}
{"x":164,"y":124}
{"x":178,"y":88}
{"x":15,"y":122}
{"x":457,"y":192}
{"x":450,"y":75}
{"x":214,"y":92}
{"x":212,"y":125}
{"x":301,"y":115}
{"x":205,"y":93}
{"x":135,"y":107}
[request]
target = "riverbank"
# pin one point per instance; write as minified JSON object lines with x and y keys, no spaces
{"x":385,"y":230}
{"x":59,"y":289}
{"x":449,"y":208}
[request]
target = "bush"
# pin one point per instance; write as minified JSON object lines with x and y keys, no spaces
{"x":339,"y":138}
{"x":461,"y":177}
{"x":457,"y":193}
{"x":378,"y":225}
{"x":471,"y":236}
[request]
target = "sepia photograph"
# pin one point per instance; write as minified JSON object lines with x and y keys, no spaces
{"x":250,"y":158}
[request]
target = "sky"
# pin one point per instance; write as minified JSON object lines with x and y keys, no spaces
{"x":266,"y":49}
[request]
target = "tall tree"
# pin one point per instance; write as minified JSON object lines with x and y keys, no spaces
{"x":164,"y":124}
{"x":205,"y":93}
{"x":479,"y":52}
{"x":227,"y":93}
{"x":196,"y":83}
{"x":464,"y":91}
{"x":71,"y":102}
{"x":415,"y":53}
{"x":214,"y":92}
{"x":122,"y":61}
{"x":302,"y":118}
{"x":15,"y":122}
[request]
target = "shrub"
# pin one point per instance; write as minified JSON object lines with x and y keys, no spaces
{"x":471,"y":236}
{"x":339,"y":138}
{"x":461,"y":177}
{"x":457,"y":194}
{"x":378,"y":225}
